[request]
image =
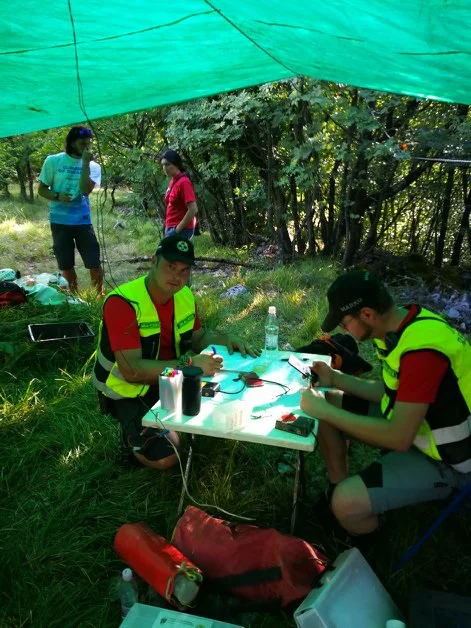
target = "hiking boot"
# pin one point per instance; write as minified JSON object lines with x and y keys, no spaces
{"x":319,"y":512}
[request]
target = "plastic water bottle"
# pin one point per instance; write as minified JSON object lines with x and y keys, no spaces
{"x":271,"y":331}
{"x":127,"y":591}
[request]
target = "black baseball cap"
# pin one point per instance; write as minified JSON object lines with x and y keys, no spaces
{"x":176,"y":248}
{"x":349,"y":293}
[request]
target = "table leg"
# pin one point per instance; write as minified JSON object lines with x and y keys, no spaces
{"x":187,"y":475}
{"x":299,"y":481}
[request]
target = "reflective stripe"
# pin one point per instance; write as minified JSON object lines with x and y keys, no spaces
{"x":103,"y":388}
{"x":104,"y":362}
{"x":427,"y":446}
{"x":462,"y":467}
{"x":115,"y":372}
{"x":422,"y":441}
{"x":445,"y":435}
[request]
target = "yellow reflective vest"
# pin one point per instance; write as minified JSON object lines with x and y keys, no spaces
{"x":445,"y":434}
{"x":107,"y":377}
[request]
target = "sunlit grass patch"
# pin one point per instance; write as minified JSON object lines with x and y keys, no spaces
{"x":20,"y":242}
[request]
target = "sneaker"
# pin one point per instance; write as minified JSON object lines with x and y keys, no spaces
{"x":126,"y":458}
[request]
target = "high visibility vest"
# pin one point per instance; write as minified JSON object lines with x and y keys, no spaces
{"x":445,"y":434}
{"x":107,"y":377}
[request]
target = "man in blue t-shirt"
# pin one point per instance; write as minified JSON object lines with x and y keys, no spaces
{"x":66,"y":180}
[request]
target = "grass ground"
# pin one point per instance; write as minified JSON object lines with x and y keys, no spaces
{"x":64,"y":493}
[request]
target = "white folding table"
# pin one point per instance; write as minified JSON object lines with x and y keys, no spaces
{"x":267,"y":404}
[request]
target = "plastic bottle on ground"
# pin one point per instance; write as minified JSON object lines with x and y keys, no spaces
{"x":127,"y":591}
{"x":271,"y":331}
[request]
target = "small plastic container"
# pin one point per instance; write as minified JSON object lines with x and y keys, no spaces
{"x":231,"y":415}
{"x":170,"y":392}
{"x":145,"y":616}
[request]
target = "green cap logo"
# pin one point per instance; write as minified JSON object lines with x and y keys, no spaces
{"x":182,"y":246}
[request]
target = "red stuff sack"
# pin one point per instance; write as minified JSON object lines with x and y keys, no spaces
{"x":157,"y":561}
{"x":11,"y":294}
{"x":257,"y":564}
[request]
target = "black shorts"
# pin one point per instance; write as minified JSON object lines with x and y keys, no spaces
{"x":64,"y":240}
{"x":356,"y":405}
{"x":147,"y":441}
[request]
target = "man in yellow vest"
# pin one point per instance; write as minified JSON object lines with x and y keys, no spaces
{"x":420,"y":408}
{"x":149,"y":324}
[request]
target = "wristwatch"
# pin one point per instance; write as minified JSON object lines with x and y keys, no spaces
{"x":56,"y":195}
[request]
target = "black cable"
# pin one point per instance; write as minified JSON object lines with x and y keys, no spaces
{"x":102,"y":194}
{"x":236,"y":392}
{"x":269,"y":381}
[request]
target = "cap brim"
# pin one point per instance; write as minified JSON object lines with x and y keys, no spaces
{"x":331,"y":321}
{"x":177,"y":258}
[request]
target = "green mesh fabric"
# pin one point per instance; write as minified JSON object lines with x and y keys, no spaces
{"x":145,"y":53}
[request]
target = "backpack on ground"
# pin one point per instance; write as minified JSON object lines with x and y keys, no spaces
{"x":259,"y":565}
{"x":343,"y":349}
{"x":11,"y":294}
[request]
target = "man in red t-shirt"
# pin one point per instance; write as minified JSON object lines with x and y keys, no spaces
{"x":424,"y":393}
{"x":129,"y":362}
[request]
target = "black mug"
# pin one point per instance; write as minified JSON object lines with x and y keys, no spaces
{"x":191,"y":390}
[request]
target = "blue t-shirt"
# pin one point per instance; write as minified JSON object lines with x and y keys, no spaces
{"x":61,"y":173}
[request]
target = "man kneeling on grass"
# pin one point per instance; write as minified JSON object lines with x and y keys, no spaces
{"x":149,"y":324}
{"x":424,"y":393}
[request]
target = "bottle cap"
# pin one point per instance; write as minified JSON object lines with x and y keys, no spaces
{"x":272,"y":309}
{"x":127,"y":574}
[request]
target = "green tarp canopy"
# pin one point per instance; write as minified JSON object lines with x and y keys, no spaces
{"x":141,"y":54}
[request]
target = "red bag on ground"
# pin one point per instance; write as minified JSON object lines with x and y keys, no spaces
{"x":11,"y":294}
{"x":157,"y":561}
{"x":258,"y":564}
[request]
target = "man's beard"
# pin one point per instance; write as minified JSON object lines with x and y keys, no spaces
{"x":74,"y":153}
{"x":367,"y":331}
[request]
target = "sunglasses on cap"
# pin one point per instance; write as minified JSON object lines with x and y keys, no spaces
{"x":85,"y":133}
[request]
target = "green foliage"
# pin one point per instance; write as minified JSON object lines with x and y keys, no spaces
{"x":308,"y":166}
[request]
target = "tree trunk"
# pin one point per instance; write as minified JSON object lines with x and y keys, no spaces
{"x":464,"y":223}
{"x":355,"y":211}
{"x":240,"y":236}
{"x":4,"y":191}
{"x":328,"y":236}
{"x":440,"y":247}
{"x":30,"y":174}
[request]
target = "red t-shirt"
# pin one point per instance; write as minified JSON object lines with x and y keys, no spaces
{"x":123,"y":332}
{"x":420,"y":372}
{"x":179,"y":193}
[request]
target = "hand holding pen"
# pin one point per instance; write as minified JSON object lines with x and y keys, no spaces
{"x":211,"y":363}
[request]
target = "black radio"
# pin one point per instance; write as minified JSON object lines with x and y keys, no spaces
{"x":209,"y":389}
{"x":301,"y":425}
